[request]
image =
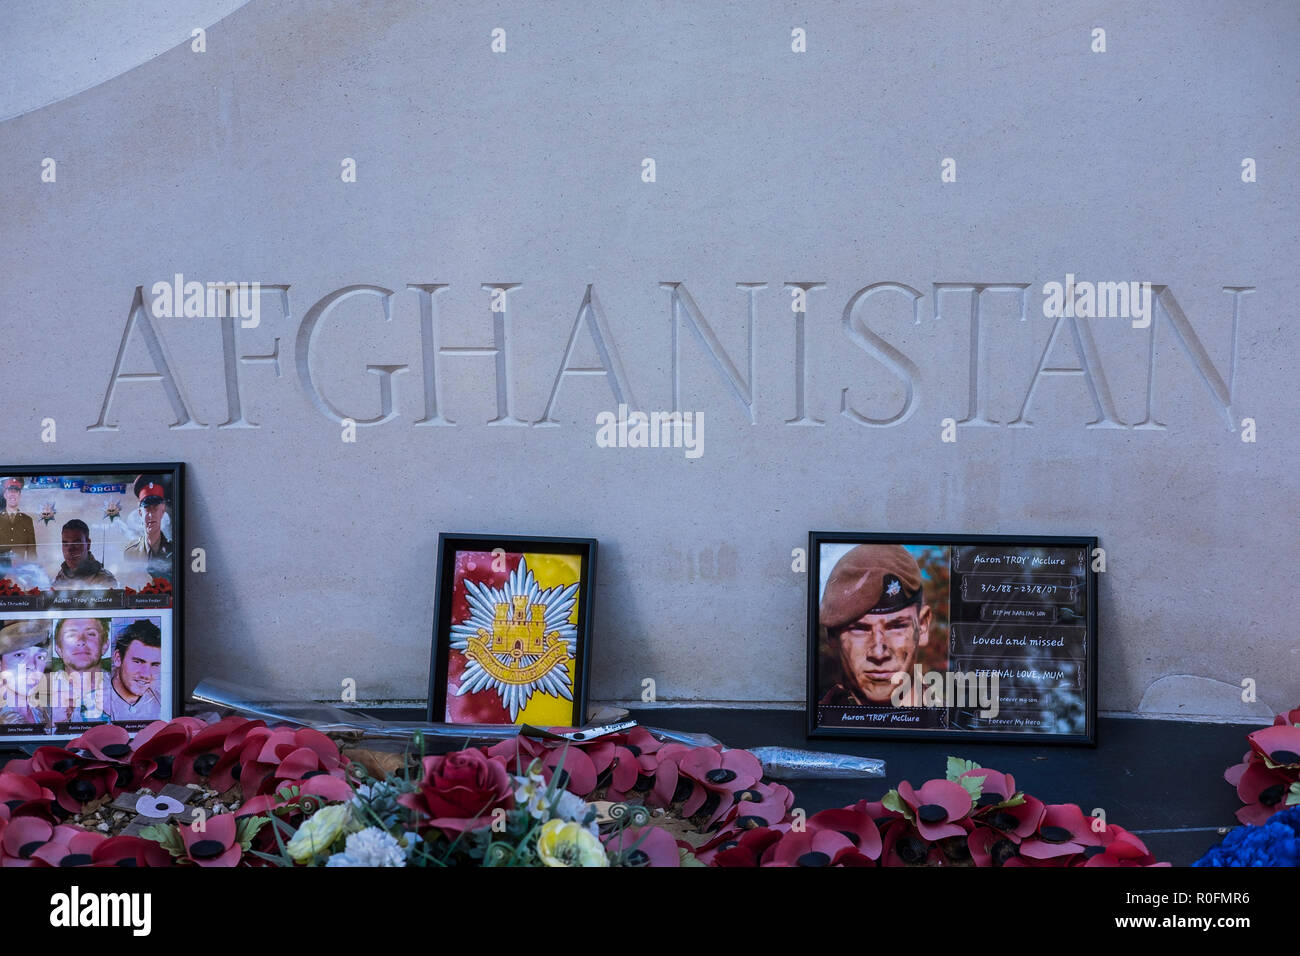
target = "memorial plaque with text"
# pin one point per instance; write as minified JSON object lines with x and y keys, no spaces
{"x":982,"y":637}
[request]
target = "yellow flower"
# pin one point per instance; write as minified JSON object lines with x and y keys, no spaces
{"x":569,"y":844}
{"x":322,"y":829}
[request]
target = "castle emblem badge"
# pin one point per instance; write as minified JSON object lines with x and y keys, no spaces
{"x":518,"y":640}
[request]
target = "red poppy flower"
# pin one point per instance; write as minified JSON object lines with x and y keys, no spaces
{"x":107,"y":742}
{"x":1279,"y":744}
{"x":80,"y":785}
{"x":576,"y":768}
{"x":720,"y":775}
{"x":1262,"y":789}
{"x":1064,"y":831}
{"x":993,"y":784}
{"x":155,"y":749}
{"x":937,"y":807}
{"x":69,"y":846}
{"x":517,"y":753}
{"x":762,"y":805}
{"x":815,"y":848}
{"x":989,"y":847}
{"x":17,"y":790}
{"x":646,"y":846}
{"x":902,"y":845}
{"x":663,"y":766}
{"x":644,"y":741}
{"x":130,"y":851}
{"x":22,"y":837}
{"x":262,"y":753}
{"x":1016,"y":823}
{"x":215,"y":844}
{"x":1117,"y":847}
{"x":854,"y":823}
{"x":617,"y":766}
{"x":204,"y":752}
{"x":1290,"y":719}
{"x":744,"y":850}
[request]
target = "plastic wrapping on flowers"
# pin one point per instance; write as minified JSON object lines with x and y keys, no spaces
{"x":253,"y":795}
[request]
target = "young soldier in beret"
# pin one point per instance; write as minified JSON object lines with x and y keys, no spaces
{"x":873,"y":616}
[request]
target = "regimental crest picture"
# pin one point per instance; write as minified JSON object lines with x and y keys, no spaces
{"x":513,"y":650}
{"x":519,"y":638}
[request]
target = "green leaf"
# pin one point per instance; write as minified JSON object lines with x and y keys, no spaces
{"x":1015,"y":800}
{"x":688,"y":858}
{"x":892,"y":801}
{"x":168,"y":836}
{"x":247,"y":828}
{"x":1293,"y":795}
{"x":957,"y":767}
{"x":973,"y":785}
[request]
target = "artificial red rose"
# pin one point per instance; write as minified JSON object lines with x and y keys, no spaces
{"x":461,"y":786}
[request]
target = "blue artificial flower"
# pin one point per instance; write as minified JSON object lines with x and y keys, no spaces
{"x":1276,"y":843}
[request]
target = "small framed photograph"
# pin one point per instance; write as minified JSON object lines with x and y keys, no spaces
{"x":90,"y":598}
{"x":512,"y":630}
{"x":978,"y":637}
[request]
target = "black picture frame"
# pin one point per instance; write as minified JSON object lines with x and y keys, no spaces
{"x":159,"y":576}
{"x":452,"y":544}
{"x":837,"y":710}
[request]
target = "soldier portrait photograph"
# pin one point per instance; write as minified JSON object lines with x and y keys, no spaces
{"x":881,"y":613}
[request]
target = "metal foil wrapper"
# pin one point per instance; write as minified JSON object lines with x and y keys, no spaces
{"x":788,"y":763}
{"x":276,"y":706}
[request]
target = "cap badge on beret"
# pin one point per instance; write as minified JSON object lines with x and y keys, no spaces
{"x":870,"y":579}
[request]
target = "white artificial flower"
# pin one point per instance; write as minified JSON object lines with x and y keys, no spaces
{"x":531,"y":793}
{"x":570,"y":806}
{"x":370,"y":847}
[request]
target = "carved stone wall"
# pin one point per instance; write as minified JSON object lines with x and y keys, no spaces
{"x":829,"y":233}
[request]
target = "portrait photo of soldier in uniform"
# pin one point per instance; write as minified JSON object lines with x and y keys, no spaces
{"x":80,"y":569}
{"x":17,"y":532}
{"x":880,"y":615}
{"x":152,"y":548}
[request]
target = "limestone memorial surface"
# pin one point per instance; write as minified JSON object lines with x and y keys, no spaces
{"x":692,"y":279}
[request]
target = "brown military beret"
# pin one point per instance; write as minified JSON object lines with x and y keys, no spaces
{"x":21,"y":634}
{"x":870,"y":579}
